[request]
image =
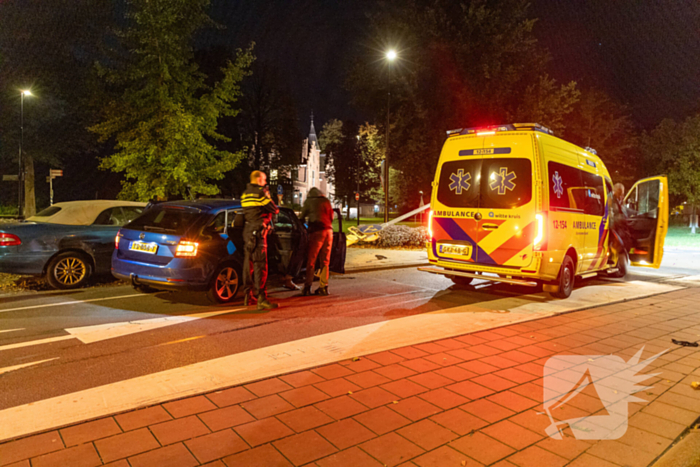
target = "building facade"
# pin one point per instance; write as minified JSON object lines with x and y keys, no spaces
{"x":312,"y":171}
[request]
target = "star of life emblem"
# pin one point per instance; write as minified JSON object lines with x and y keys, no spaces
{"x":558,"y":187}
{"x":460,"y":181}
{"x":606,"y":377}
{"x":502,"y":181}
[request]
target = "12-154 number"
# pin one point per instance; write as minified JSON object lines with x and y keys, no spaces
{"x":560,"y":225}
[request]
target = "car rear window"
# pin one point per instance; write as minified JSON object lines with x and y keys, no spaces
{"x":48,"y":212}
{"x":170,"y":220}
{"x":500,"y":183}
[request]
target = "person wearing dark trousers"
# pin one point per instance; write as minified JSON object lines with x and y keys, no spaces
{"x":258,"y":209}
{"x":320,"y":226}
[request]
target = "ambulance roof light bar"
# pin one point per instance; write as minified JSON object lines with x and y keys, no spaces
{"x":492,"y":129}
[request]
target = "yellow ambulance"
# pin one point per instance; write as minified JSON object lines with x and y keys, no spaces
{"x":515,"y":204}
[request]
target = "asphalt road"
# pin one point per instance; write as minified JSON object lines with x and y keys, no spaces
{"x":55,"y":343}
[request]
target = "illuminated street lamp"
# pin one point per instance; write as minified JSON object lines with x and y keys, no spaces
{"x":391,"y":55}
{"x":20,"y":176}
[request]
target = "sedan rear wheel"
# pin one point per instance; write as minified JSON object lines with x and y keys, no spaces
{"x":225,"y":285}
{"x":69,"y":270}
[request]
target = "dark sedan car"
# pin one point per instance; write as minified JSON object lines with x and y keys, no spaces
{"x":198,"y":245}
{"x":67,"y":242}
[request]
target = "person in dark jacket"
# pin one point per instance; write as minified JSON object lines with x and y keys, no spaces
{"x":320,"y":226}
{"x":620,"y":223}
{"x":258,"y":209}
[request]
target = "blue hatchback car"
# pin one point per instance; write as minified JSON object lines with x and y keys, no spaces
{"x":198,"y":245}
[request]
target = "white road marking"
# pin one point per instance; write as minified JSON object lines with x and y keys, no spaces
{"x":74,"y":302}
{"x":48,"y":340}
{"x":24,"y":365}
{"x":231,"y":370}
{"x":11,"y":330}
{"x":100,"y":332}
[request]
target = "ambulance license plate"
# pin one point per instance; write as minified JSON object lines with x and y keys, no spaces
{"x":144,"y":247}
{"x":456,"y":250}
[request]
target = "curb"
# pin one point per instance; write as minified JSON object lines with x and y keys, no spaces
{"x":684,"y":452}
{"x":386,"y":267}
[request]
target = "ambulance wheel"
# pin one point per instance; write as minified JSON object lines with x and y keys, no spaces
{"x":566,"y":279}
{"x":621,"y":264}
{"x":462,"y":280}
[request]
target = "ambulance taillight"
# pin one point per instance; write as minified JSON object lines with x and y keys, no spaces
{"x":540,"y":241}
{"x":430,"y":224}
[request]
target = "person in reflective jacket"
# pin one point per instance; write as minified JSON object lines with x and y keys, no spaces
{"x":258,"y":209}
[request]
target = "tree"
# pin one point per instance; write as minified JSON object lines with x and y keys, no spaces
{"x":164,"y":119}
{"x":269,"y":122}
{"x":357,"y":153}
{"x":460,"y":64}
{"x":600,"y":123}
{"x":339,"y":140}
{"x":674,"y":148}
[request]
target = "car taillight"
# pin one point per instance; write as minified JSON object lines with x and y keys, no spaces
{"x":116,"y":240}
{"x":186,"y":249}
{"x":430,"y":224}
{"x":7,"y":239}
{"x":540,"y":242}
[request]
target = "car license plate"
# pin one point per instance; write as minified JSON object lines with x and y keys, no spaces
{"x":144,"y":247}
{"x":456,"y":250}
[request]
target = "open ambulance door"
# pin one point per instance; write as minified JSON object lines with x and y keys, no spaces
{"x":647,"y":213}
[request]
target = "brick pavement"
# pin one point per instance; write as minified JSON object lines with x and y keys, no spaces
{"x":466,"y":401}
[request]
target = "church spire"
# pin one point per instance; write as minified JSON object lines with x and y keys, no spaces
{"x":312,"y":132}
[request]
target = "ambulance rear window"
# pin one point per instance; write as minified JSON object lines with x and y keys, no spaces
{"x":504,"y":183}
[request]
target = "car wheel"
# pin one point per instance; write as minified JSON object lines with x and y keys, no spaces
{"x":69,"y":270}
{"x":225,"y":284}
{"x":459,"y":280}
{"x":567,"y":275}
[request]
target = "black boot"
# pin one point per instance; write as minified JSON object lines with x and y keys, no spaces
{"x":322,"y":291}
{"x":249,"y":300}
{"x":307,"y":291}
{"x":265,"y":304}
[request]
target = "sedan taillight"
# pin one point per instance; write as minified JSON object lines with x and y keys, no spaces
{"x":116,"y":240}
{"x":7,"y":239}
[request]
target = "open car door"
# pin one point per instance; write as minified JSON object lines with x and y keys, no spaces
{"x":339,"y":248}
{"x":647,"y":214}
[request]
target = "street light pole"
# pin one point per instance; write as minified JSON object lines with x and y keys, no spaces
{"x":357,"y":179}
{"x":390,"y":56}
{"x":20,"y":175}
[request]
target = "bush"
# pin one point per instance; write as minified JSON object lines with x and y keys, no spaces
{"x":8,"y":210}
{"x":402,"y":236}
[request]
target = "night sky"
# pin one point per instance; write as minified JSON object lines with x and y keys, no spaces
{"x":645,"y":54}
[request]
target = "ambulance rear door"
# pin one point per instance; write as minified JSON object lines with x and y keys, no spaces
{"x":507,"y":224}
